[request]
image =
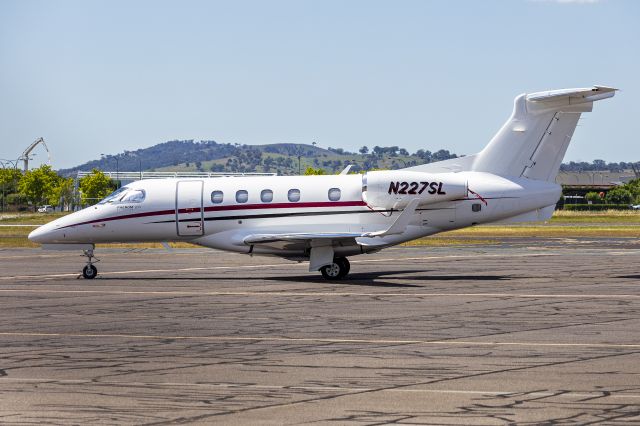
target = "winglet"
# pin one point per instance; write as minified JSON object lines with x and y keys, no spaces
{"x":346,"y":169}
{"x":401,"y":223}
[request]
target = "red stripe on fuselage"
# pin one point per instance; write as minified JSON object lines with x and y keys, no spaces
{"x":229,"y":208}
{"x":283,"y":205}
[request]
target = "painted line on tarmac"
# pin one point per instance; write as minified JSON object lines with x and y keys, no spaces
{"x":144,"y":271}
{"x":35,"y":256}
{"x":213,"y":268}
{"x":227,"y":386}
{"x":324,"y":340}
{"x":321,"y":294}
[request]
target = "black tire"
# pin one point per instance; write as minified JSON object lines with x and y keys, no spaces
{"x":337,"y":270}
{"x":89,"y":272}
{"x":345,"y":266}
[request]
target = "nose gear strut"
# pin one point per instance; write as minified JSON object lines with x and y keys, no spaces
{"x":89,"y":271}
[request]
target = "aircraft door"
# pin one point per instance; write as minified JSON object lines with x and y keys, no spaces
{"x":189,"y":208}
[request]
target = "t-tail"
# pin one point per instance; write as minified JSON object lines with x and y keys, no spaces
{"x":533,"y":142}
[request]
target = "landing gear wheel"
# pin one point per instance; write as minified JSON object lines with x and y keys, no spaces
{"x":336,"y":270}
{"x":89,"y":272}
{"x":345,"y":266}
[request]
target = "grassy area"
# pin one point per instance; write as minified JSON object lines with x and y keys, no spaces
{"x":548,"y":231}
{"x":562,"y":225}
{"x":607,"y":216}
{"x":29,"y":218}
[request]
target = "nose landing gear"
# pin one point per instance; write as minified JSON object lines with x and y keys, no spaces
{"x":336,"y":270}
{"x":90,"y":271}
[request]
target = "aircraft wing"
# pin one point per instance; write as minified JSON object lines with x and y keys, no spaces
{"x":304,"y":236}
{"x":322,"y":243}
{"x":398,"y":227}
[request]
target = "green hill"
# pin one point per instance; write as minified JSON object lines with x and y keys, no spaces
{"x":282,"y":158}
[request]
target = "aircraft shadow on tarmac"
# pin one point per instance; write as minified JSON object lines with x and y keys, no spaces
{"x":355,"y":279}
{"x":376,"y":279}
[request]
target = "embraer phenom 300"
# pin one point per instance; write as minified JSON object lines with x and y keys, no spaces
{"x":325,"y":219}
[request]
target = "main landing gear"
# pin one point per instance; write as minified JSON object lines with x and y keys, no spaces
{"x":336,"y":270}
{"x":90,"y":271}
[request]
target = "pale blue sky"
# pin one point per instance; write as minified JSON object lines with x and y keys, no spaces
{"x":97,"y":77}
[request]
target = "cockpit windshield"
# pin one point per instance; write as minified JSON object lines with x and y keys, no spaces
{"x":125,"y":195}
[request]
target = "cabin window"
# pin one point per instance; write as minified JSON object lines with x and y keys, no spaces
{"x":294,"y":195}
{"x":216,"y":197}
{"x":476,"y":207}
{"x":266,"y":196}
{"x":334,"y":194}
{"x":242,"y":196}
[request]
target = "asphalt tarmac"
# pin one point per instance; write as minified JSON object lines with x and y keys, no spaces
{"x":525,"y":332}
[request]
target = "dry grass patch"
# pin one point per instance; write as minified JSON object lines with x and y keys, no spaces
{"x":30,"y":218}
{"x":606,"y":216}
{"x":547,"y":231}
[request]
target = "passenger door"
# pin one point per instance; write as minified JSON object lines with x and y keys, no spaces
{"x":189,"y":208}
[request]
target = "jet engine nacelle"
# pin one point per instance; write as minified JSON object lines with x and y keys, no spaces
{"x":394,"y":189}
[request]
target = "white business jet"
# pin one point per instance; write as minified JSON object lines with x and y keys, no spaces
{"x":325,"y":219}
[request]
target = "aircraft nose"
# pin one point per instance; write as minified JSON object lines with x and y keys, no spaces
{"x":40,"y":234}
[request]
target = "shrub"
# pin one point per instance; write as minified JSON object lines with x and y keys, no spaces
{"x":594,"y":197}
{"x":619,"y":195}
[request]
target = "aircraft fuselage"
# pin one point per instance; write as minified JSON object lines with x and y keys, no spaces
{"x":220,"y":212}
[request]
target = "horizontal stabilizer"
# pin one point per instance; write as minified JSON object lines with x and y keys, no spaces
{"x":573,"y":96}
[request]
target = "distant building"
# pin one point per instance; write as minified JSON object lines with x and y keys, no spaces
{"x":579,"y":183}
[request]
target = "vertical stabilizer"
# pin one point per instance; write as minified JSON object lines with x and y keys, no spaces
{"x":532,"y":143}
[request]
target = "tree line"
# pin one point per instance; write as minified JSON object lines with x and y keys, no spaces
{"x":598,"y":166}
{"x":44,"y":186}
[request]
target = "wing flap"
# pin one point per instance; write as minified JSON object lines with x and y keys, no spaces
{"x":307,"y":236}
